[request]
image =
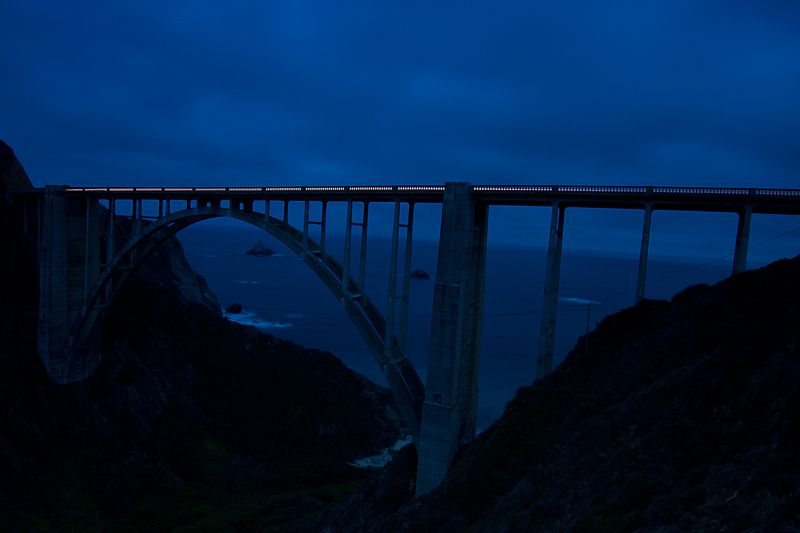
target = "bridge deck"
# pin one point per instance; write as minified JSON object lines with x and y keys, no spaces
{"x":713,"y":199}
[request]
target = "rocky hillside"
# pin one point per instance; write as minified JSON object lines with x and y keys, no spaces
{"x":191,"y":421}
{"x":683,"y":416}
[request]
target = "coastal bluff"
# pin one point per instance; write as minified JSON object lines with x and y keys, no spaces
{"x":683,"y":415}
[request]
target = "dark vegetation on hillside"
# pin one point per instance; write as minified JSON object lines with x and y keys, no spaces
{"x":190,"y":422}
{"x":683,"y":416}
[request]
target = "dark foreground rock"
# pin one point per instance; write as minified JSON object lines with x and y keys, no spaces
{"x":260,"y":249}
{"x":390,"y":487}
{"x":682,"y":416}
{"x":191,"y":421}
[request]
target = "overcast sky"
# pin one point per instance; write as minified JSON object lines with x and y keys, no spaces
{"x":291,"y":92}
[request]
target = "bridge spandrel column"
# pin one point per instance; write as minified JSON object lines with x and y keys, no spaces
{"x":92,"y":245}
{"x":362,"y":256}
{"x":450,"y":409}
{"x":644,"y":251}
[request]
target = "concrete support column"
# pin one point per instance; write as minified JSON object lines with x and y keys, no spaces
{"x":305,"y":225}
{"x":403,"y":340}
{"x":348,"y":231}
{"x":86,"y":253}
{"x":138,"y":208}
{"x":323,"y":224}
{"x":547,"y":331}
{"x":110,"y":236}
{"x":449,"y":412}
{"x":640,"y":282}
{"x":392,"y":290}
{"x":742,"y":240}
{"x":91,"y":258}
{"x":362,"y":258}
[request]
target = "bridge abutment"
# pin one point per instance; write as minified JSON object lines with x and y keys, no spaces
{"x":449,"y":413}
{"x":69,"y":263}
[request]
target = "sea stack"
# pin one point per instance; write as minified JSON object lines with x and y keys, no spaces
{"x":260,"y":249}
{"x":419,"y":273}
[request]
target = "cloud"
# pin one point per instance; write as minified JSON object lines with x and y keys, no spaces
{"x":250,"y":92}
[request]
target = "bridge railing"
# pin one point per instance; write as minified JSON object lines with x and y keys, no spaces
{"x":435,"y":190}
{"x":634,"y":190}
{"x":778,"y":192}
{"x":248,"y":190}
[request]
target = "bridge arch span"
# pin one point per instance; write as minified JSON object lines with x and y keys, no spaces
{"x":84,"y":334}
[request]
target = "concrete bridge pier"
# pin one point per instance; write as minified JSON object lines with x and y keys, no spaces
{"x":742,"y":239}
{"x":449,"y":412}
{"x":640,"y":281}
{"x":69,"y":264}
{"x":547,"y":331}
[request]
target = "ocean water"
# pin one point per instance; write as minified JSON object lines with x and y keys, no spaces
{"x":282,"y":296}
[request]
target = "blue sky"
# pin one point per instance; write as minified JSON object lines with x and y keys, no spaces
{"x":293,"y":92}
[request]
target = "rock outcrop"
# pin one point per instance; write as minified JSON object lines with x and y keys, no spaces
{"x":234,"y":309}
{"x":260,"y":249}
{"x":419,"y":273}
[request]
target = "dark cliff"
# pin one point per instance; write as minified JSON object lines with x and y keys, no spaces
{"x":12,"y":174}
{"x":190,"y":420}
{"x":682,"y":416}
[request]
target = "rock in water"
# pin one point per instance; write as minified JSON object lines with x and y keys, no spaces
{"x":234,"y":309}
{"x":419,"y":273}
{"x":260,"y":249}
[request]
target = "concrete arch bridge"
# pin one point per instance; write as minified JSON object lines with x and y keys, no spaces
{"x":80,"y":278}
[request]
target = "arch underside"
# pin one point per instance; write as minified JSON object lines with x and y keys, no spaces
{"x":84,"y":337}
